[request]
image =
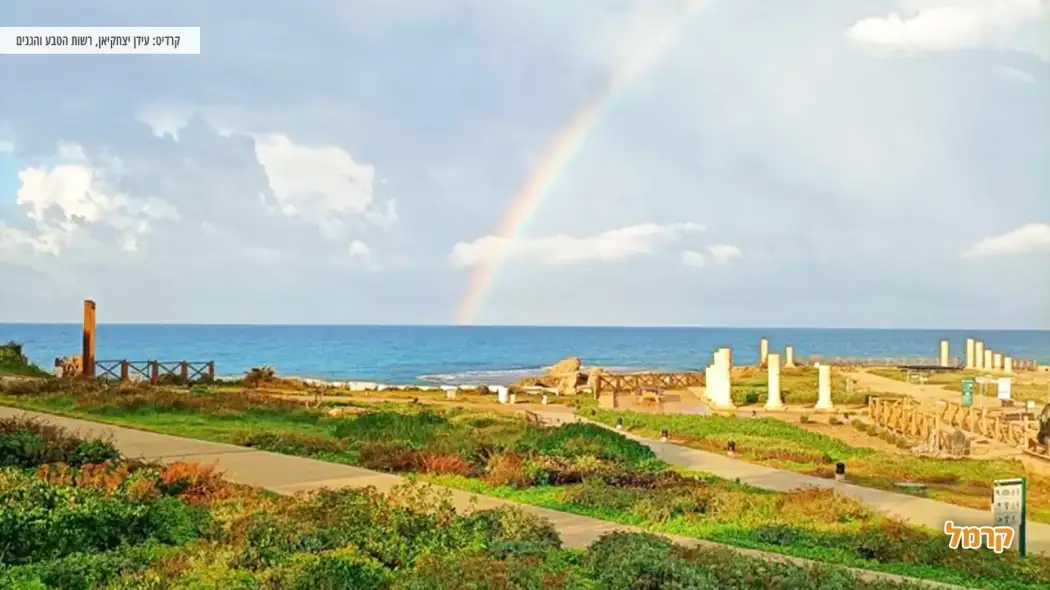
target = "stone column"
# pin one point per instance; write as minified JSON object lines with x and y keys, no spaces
{"x":945,"y":352}
{"x":87,"y":355}
{"x":1008,"y":364}
{"x":774,"y":402}
{"x":824,"y":388}
{"x":763,"y":351}
{"x":978,"y":358}
{"x":997,"y":361}
{"x":969,"y":354}
{"x":988,"y":360}
{"x":789,"y":356}
{"x":721,"y":397}
{"x":709,"y":382}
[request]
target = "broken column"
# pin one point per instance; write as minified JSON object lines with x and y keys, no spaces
{"x":789,"y":356}
{"x":978,"y":355}
{"x":969,"y":353}
{"x":824,"y":388}
{"x":763,"y":351}
{"x":1008,"y":364}
{"x":721,"y":394}
{"x":988,"y":365}
{"x":997,"y":361}
{"x":774,"y":402}
{"x":945,"y":351}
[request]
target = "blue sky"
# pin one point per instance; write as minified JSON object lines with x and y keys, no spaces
{"x":9,"y":183}
{"x":875,"y":163}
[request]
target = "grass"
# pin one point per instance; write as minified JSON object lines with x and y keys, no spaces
{"x":578,"y":468}
{"x":779,"y":444}
{"x":123,"y":524}
{"x":1023,"y":387}
{"x":13,"y":362}
{"x":797,"y":386}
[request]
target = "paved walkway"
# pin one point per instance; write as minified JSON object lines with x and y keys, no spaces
{"x":922,"y":511}
{"x":286,"y":474}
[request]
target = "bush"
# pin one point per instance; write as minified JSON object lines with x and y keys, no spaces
{"x":513,"y":530}
{"x":634,"y":561}
{"x":580,"y":439}
{"x":28,"y":443}
{"x":341,"y":569}
{"x":40,"y":521}
{"x":14,"y":361}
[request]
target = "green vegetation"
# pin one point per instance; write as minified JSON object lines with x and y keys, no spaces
{"x":132,"y":525}
{"x":797,"y":386}
{"x":577,"y":468}
{"x":1024,"y":386}
{"x":13,"y":361}
{"x":779,"y":444}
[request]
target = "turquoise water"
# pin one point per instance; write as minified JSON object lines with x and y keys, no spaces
{"x":447,"y":354}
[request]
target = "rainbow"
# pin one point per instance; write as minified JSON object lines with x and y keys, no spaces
{"x":555,"y":159}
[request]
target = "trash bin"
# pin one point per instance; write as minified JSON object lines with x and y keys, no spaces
{"x":967,"y":392}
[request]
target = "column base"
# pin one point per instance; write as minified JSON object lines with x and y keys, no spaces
{"x":775,"y":408}
{"x":824,"y":407}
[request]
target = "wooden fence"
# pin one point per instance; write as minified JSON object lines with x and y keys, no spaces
{"x":156,"y":371}
{"x":908,"y":419}
{"x":613,"y":382}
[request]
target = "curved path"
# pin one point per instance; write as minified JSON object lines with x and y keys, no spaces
{"x":287,"y":474}
{"x":921,"y":511}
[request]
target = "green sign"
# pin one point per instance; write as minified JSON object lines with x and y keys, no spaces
{"x":967,"y":392}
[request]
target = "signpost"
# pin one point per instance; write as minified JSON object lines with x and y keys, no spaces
{"x":1004,"y":388}
{"x":967,"y":392}
{"x":1008,"y":508}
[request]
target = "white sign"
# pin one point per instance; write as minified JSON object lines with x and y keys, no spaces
{"x":1004,"y":387}
{"x":1008,"y":507}
{"x":100,"y":40}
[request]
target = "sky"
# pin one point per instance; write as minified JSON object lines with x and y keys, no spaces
{"x":874,"y":163}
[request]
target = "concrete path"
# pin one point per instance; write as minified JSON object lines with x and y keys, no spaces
{"x":921,"y":511}
{"x":286,"y":474}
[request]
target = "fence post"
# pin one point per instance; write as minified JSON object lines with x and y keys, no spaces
{"x":184,"y":371}
{"x":154,"y":372}
{"x":124,"y":370}
{"x":211,"y":370}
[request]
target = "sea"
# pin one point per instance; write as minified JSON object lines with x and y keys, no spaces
{"x":483,"y":354}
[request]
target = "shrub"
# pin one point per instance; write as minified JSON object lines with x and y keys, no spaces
{"x":256,"y":376}
{"x":28,"y":442}
{"x":473,"y":569}
{"x":293,"y":443}
{"x":39,"y":521}
{"x":341,"y":569}
{"x":443,"y":464}
{"x":14,"y":361}
{"x":413,"y":428}
{"x":393,"y":456}
{"x":507,"y":469}
{"x":633,"y":561}
{"x":580,"y":439}
{"x":513,"y":530}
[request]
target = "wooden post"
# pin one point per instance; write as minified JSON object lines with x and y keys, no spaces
{"x":154,"y":372}
{"x":88,"y":353}
{"x":124,"y":370}
{"x":184,"y":371}
{"x":211,"y":370}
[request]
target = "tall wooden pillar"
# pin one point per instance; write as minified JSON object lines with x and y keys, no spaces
{"x":88,"y":355}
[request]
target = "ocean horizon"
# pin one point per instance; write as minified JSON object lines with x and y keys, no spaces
{"x":484,"y":354}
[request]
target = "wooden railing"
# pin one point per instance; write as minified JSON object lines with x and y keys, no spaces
{"x":613,"y":382}
{"x":908,"y":419}
{"x":156,"y":372}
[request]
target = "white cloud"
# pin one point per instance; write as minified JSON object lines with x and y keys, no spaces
{"x":164,"y":119}
{"x":1027,"y":239}
{"x":949,"y":24}
{"x":719,"y":254}
{"x":60,"y":202}
{"x":616,"y":244}
{"x":360,"y":250}
{"x":319,"y":183}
